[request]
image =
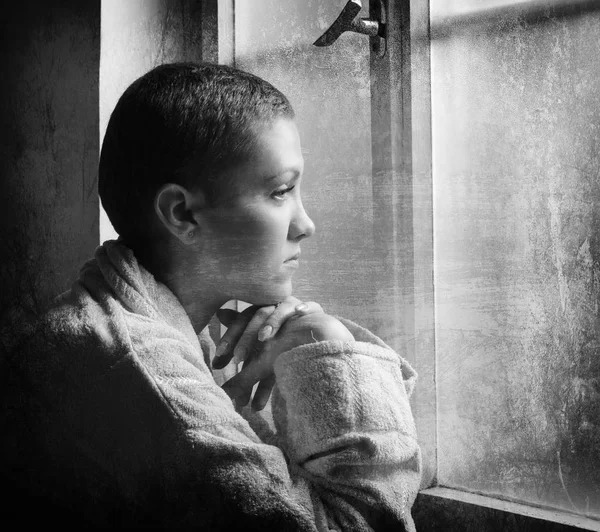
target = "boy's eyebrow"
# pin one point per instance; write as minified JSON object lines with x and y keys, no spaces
{"x":293,"y":171}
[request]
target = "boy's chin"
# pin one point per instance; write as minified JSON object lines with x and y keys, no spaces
{"x":271,"y":296}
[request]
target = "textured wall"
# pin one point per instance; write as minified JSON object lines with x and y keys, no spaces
{"x":49,"y":147}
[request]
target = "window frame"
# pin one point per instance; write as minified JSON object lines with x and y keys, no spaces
{"x":440,"y":507}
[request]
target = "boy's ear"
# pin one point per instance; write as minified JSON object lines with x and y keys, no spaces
{"x":177,"y":210}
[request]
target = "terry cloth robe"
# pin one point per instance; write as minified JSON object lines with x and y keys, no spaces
{"x":112,"y":418}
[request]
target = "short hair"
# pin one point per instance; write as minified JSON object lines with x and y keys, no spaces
{"x":183,"y":123}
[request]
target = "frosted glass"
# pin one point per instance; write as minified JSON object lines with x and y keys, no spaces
{"x":516,"y":177}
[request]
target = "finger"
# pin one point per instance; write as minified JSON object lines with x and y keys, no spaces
{"x":240,"y":386}
{"x":227,"y":316}
{"x":263,"y":392}
{"x":245,"y":390}
{"x":279,"y":314}
{"x":247,"y":340}
{"x":229,"y":340}
{"x":243,"y":398}
{"x":308,"y":307}
{"x":287,"y":309}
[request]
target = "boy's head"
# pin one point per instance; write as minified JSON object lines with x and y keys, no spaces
{"x":180,"y":123}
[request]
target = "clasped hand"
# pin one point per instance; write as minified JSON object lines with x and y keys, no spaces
{"x":258,"y":335}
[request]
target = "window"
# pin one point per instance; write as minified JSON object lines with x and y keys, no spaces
{"x":457,"y":209}
{"x":515,"y":152}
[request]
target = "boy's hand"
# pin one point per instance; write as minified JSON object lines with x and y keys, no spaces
{"x":247,"y":330}
{"x":296,"y":331}
{"x":255,"y":324}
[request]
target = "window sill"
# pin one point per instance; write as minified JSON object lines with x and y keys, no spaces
{"x":447,"y":509}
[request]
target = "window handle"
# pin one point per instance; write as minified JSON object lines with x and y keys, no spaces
{"x":347,"y":21}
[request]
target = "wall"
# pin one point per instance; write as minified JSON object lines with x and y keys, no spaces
{"x":49,"y":147}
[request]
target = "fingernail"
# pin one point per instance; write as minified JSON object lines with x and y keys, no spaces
{"x":221,"y":348}
{"x":265,"y":333}
{"x":239,"y":354}
{"x":302,"y":307}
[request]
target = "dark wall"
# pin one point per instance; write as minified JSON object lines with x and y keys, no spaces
{"x":50,"y":58}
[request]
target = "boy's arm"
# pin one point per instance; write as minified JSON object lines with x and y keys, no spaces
{"x":343,"y":417}
{"x":343,"y":413}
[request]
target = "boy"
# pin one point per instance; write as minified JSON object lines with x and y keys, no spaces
{"x":114,"y":417}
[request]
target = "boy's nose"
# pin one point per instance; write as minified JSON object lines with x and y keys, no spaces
{"x":302,"y":226}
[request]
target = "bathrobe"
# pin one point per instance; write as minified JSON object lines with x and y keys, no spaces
{"x":112,"y":419}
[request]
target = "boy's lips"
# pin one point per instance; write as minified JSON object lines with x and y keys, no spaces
{"x":294,"y":257}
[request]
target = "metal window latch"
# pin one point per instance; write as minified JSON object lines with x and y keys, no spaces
{"x":374,"y":27}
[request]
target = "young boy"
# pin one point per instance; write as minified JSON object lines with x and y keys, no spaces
{"x":113,"y":418}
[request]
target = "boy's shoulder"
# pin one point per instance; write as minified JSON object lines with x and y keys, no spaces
{"x":74,"y":336}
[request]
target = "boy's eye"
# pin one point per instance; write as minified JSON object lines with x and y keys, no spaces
{"x":281,"y":193}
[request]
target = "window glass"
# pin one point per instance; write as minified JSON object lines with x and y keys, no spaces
{"x":516,"y":179}
{"x":330,"y":90}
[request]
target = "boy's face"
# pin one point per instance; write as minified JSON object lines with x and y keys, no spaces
{"x":252,"y":237}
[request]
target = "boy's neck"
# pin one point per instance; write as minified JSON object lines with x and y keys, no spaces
{"x":187,"y":284}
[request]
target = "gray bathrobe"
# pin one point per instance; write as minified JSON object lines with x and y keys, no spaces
{"x":112,"y":418}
